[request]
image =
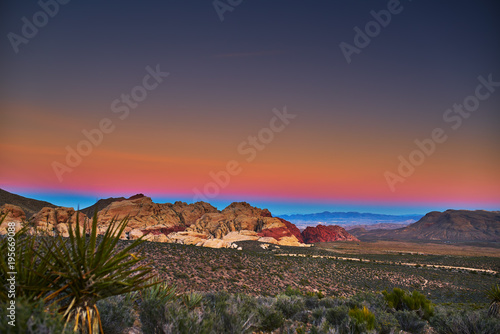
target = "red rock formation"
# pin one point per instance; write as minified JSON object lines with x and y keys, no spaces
{"x":328,"y":233}
{"x":287,"y":230}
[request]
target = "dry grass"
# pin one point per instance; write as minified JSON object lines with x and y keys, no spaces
{"x":385,"y":247}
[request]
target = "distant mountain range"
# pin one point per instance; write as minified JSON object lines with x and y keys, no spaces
{"x":450,"y":225}
{"x":351,"y":219}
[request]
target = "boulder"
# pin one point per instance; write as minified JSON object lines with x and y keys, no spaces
{"x":62,"y":229}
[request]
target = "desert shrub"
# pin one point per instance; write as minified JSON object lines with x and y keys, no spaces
{"x":328,"y":302}
{"x":311,"y":302}
{"x":401,"y":300}
{"x":290,"y":291}
{"x":117,"y":313}
{"x":179,"y":319}
{"x":363,"y":319}
{"x":33,"y":317}
{"x":374,"y":301}
{"x":232,"y":313}
{"x":386,"y":323}
{"x":289,"y":305}
{"x":494,"y":295}
{"x":329,"y":320}
{"x":337,"y":316}
{"x":152,"y":306}
{"x":409,"y":321}
{"x":450,"y":321}
{"x":271,"y":320}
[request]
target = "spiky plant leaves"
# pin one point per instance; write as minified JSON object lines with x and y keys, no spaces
{"x":91,"y":268}
{"x":192,"y":300}
{"x":32,"y":276}
{"x":494,"y":296}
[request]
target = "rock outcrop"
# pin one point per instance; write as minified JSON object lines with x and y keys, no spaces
{"x":144,"y":214}
{"x":51,"y":217}
{"x":190,"y":213}
{"x":328,"y":233}
{"x":241,"y":216}
{"x":14,"y":213}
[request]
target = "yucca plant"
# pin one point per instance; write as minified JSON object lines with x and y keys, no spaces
{"x":90,"y":268}
{"x":494,"y":296}
{"x":33,"y":278}
{"x":192,"y":300}
{"x":152,"y":305}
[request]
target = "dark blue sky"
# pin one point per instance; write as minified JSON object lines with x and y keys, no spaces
{"x":225,"y":78}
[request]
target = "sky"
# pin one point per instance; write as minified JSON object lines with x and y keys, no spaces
{"x":373,"y":106}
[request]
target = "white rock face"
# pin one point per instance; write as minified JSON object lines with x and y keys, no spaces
{"x":135,"y":234}
{"x":216,"y":243}
{"x":269,"y":240}
{"x":241,"y":236}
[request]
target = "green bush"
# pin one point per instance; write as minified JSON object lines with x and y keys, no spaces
{"x":409,"y":321}
{"x":363,"y":319}
{"x":290,"y":291}
{"x":271,"y":320}
{"x":401,"y":300}
{"x":337,"y":316}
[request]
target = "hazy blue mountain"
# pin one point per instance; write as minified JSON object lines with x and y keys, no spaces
{"x":349,"y":218}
